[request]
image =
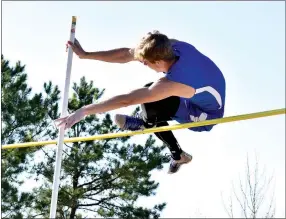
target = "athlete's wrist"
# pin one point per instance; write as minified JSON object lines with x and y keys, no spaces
{"x":84,"y":55}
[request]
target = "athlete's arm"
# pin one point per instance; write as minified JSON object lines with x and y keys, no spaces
{"x":157,"y":91}
{"x":119,"y":55}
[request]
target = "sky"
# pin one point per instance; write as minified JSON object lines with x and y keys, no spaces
{"x":245,"y":39}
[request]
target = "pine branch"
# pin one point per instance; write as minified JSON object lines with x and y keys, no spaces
{"x":88,"y":209}
{"x":99,"y":201}
{"x":97,"y":179}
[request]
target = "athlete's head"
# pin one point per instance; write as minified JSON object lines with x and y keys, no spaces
{"x":155,"y":51}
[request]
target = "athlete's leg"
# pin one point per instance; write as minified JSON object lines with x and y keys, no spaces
{"x":156,"y":114}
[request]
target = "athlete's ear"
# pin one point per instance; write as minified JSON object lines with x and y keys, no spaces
{"x":158,"y":62}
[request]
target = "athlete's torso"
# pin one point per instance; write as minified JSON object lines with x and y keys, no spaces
{"x":198,"y":71}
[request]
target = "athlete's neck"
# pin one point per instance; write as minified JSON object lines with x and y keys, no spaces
{"x":170,"y":64}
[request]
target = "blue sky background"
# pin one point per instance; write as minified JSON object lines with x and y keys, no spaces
{"x":245,"y":39}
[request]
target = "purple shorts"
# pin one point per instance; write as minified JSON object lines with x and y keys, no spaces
{"x":189,"y":112}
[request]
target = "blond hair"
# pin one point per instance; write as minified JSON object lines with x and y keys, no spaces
{"x":153,"y":47}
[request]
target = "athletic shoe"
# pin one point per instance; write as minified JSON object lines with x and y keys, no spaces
{"x":176,"y":164}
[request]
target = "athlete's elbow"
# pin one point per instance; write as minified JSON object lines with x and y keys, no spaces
{"x":129,"y":101}
{"x":123,"y":60}
{"x":125,"y":101}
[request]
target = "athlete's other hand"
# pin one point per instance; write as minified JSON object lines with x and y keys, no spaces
{"x":76,"y":47}
{"x":68,"y":121}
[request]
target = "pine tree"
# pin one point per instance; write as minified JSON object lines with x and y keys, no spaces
{"x":25,"y":117}
{"x":104,"y":177}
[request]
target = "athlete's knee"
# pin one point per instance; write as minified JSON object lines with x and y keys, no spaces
{"x":148,"y":114}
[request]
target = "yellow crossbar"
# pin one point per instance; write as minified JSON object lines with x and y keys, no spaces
{"x":152,"y":130}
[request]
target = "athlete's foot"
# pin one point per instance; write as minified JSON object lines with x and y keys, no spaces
{"x":132,"y":123}
{"x":176,"y":164}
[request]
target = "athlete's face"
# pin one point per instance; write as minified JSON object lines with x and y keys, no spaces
{"x":157,"y":66}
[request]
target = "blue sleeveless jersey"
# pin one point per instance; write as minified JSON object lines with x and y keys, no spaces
{"x":198,"y":71}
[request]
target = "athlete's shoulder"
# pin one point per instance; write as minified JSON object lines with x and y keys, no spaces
{"x":181,"y":45}
{"x":176,"y":41}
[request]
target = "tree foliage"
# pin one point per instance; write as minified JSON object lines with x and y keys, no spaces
{"x":25,"y":117}
{"x":105,"y":177}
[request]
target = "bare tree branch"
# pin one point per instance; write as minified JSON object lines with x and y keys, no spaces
{"x":239,"y":201}
{"x":254,"y":194}
{"x":230,"y":209}
{"x":245,"y":199}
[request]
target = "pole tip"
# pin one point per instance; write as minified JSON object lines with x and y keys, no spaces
{"x":73,"y":18}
